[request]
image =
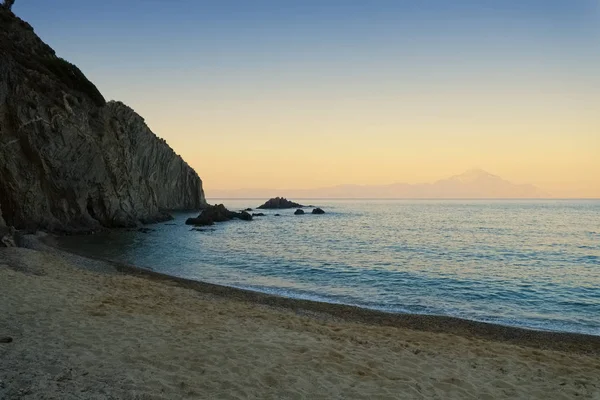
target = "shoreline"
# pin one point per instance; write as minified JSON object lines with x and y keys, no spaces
{"x":73,"y":327}
{"x":539,"y":339}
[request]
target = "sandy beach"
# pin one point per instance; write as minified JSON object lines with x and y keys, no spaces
{"x":88,"y":329}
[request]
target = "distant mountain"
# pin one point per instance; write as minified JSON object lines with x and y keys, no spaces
{"x":472,"y":184}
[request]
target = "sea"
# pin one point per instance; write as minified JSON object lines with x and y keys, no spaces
{"x":526,"y":263}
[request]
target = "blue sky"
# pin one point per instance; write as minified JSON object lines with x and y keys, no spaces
{"x":115,"y":38}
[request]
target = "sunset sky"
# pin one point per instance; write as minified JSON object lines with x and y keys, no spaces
{"x":303,"y":94}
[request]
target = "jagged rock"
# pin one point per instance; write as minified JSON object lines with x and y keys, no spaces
{"x":217,"y":213}
{"x":244,"y":216}
{"x":7,"y":237}
{"x":318,"y":211}
{"x":299,"y":212}
{"x":258,"y":214}
{"x":69,"y":160}
{"x":7,"y":241}
{"x":279,"y":203}
{"x":210,"y":215}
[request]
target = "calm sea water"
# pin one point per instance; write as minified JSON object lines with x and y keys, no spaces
{"x":533,"y":264}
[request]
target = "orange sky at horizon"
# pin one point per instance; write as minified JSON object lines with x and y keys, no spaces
{"x":546,"y":137}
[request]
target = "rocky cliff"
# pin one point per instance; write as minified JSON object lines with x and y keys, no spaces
{"x":69,"y":160}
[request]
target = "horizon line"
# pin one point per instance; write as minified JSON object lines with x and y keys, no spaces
{"x":413,"y":198}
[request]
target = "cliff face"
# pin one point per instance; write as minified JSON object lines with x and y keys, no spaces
{"x":71,"y":161}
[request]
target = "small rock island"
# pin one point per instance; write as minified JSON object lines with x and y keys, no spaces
{"x":279,"y":203}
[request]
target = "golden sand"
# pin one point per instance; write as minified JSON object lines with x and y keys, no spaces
{"x":81,"y":334}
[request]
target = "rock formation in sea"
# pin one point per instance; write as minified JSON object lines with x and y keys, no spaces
{"x":279,"y":203}
{"x":217,"y":213}
{"x":318,"y":211}
{"x":299,"y":212}
{"x":69,"y":160}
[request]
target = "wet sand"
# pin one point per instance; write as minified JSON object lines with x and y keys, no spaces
{"x":88,"y":329}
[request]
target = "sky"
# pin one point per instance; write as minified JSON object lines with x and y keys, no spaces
{"x":312,"y":93}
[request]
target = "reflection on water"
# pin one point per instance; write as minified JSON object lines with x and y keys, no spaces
{"x":527,"y":263}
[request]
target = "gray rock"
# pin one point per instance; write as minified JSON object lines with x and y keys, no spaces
{"x":244,"y":216}
{"x":7,"y":241}
{"x":299,"y":212}
{"x":217,"y":213}
{"x":318,"y":211}
{"x":210,"y":215}
{"x":69,"y":160}
{"x":8,"y":237}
